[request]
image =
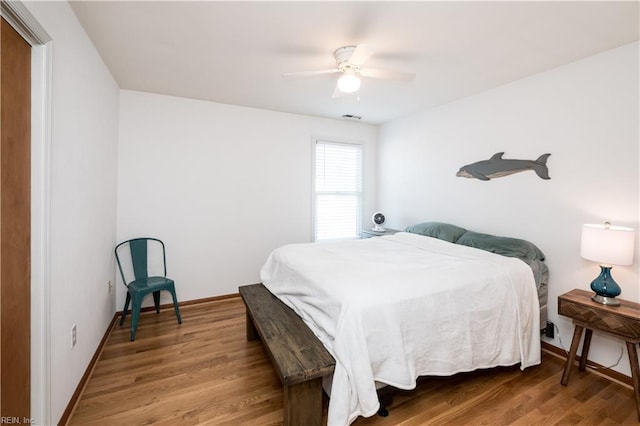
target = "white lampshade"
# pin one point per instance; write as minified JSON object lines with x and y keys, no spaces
{"x":607,"y":245}
{"x":349,"y":82}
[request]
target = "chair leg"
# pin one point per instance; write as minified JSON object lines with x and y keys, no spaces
{"x":156,"y":300}
{"x":135,"y":314}
{"x":175,"y":304}
{"x":126,"y":308}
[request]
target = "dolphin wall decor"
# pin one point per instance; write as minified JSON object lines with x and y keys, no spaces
{"x":497,"y":166}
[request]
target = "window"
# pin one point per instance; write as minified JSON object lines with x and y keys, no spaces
{"x":338,"y":190}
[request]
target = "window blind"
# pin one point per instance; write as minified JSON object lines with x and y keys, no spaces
{"x":338,"y":190}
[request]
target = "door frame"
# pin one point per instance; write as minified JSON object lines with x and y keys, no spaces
{"x":17,"y":15}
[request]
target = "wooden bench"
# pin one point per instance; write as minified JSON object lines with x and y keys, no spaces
{"x":299,"y":358}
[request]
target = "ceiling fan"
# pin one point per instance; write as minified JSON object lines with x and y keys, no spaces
{"x":349,"y":62}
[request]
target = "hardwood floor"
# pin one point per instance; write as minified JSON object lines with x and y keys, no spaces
{"x":205,"y":372}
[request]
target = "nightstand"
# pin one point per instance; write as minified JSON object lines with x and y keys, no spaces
{"x":368,"y":233}
{"x":621,"y":321}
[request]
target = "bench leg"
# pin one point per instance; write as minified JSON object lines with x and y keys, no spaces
{"x":252,"y":333}
{"x":303,"y":403}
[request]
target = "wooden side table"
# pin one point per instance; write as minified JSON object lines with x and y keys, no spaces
{"x":621,"y":321}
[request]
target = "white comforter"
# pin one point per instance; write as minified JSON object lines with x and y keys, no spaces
{"x":393,"y":308}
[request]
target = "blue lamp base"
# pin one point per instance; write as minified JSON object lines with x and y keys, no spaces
{"x":605,"y":287}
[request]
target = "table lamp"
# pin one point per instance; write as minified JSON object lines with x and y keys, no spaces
{"x":608,"y":245}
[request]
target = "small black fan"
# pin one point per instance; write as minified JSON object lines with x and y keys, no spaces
{"x":378,"y":220}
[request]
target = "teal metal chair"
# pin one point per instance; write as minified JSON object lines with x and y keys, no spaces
{"x":143,"y":284}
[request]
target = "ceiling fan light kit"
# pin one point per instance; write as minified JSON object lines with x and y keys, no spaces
{"x":349,"y":82}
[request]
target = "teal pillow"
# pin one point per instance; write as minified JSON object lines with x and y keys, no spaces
{"x":511,"y":247}
{"x":442,"y":231}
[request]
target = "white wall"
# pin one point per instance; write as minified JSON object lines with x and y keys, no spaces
{"x":84,"y":132}
{"x":221,"y":185}
{"x":585,"y":114}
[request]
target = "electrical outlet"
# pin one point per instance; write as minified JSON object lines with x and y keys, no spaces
{"x":549,"y":330}
{"x":74,"y":335}
{"x":110,"y":286}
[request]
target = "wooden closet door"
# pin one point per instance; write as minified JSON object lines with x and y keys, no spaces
{"x":15,"y":224}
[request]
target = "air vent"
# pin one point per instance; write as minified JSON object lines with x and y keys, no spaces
{"x":351,"y":116}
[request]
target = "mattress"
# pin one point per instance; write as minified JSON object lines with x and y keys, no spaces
{"x":393,"y":308}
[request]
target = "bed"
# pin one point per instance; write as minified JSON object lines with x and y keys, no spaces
{"x":431,"y":301}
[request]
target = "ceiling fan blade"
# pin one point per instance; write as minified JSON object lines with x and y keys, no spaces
{"x":337,"y":93}
{"x":386,"y":74}
{"x":303,"y":74}
{"x":361,"y":54}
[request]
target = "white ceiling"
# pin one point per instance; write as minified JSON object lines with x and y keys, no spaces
{"x":235,"y":52}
